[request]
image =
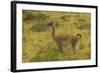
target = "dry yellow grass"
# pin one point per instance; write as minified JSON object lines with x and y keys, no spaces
{"x":38,"y":45}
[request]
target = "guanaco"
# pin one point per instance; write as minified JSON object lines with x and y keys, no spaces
{"x":64,"y":40}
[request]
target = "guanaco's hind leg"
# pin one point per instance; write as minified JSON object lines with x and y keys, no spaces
{"x":75,"y":48}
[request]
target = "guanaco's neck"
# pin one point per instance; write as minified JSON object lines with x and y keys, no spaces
{"x":53,"y":30}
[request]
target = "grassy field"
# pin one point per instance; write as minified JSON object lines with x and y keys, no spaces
{"x":38,"y":45}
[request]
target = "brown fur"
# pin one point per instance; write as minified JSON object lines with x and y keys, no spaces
{"x":64,"y":40}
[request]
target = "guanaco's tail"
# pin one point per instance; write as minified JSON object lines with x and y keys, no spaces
{"x":79,"y":35}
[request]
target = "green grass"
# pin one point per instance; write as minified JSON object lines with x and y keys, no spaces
{"x":38,"y":45}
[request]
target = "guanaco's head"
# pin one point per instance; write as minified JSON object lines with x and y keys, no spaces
{"x":79,"y":35}
{"x":52,"y":23}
